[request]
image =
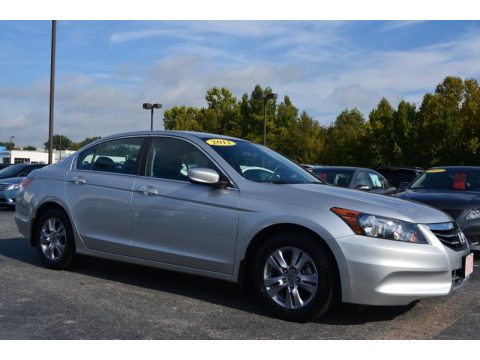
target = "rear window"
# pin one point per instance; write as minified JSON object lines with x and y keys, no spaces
{"x":338,"y":177}
{"x":117,"y":156}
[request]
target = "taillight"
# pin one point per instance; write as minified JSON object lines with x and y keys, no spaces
{"x":25,"y":182}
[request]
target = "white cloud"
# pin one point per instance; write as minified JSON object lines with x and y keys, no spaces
{"x":315,"y":65}
{"x":353,"y":96}
{"x":14,"y":123}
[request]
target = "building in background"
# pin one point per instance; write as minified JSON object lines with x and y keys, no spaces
{"x":31,"y":156}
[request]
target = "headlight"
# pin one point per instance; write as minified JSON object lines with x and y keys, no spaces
{"x":472,"y":214}
{"x":12,"y":187}
{"x":381,"y":227}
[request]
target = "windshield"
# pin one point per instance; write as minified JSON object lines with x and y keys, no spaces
{"x":260,"y":164}
{"x":11,"y":171}
{"x":449,"y":179}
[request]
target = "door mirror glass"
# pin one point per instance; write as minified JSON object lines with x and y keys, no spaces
{"x":363,"y":187}
{"x":203,"y":176}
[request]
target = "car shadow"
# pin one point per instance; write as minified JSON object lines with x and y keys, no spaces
{"x":210,"y":290}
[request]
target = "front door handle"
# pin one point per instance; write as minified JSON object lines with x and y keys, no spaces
{"x":148,"y":190}
{"x":79,"y":180}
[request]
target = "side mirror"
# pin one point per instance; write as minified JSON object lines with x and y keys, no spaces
{"x":203,"y":176}
{"x":403,"y":185}
{"x":362,"y":187}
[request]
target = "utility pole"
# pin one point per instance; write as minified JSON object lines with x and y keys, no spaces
{"x":52,"y":91}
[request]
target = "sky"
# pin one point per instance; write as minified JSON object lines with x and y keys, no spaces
{"x":106,"y":69}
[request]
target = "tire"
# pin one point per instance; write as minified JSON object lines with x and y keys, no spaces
{"x":58,"y":251}
{"x":307,"y":290}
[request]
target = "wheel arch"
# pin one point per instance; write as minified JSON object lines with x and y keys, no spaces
{"x":263,"y":234}
{"x":42,"y":209}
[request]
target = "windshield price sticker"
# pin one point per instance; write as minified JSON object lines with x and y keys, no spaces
{"x":433,"y":171}
{"x":468,"y":265}
{"x":221,"y":142}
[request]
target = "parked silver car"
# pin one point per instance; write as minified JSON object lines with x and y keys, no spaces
{"x":183,"y":201}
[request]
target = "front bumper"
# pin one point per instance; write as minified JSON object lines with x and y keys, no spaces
{"x":386,"y":272}
{"x":23,"y":223}
{"x":8,"y":197}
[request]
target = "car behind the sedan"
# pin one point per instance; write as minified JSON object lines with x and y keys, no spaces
{"x":454,"y":190}
{"x":229,"y":209}
{"x":354,"y":178}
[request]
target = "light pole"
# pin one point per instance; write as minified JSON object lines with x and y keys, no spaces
{"x":52,"y":91}
{"x":148,"y":106}
{"x":265,"y":97}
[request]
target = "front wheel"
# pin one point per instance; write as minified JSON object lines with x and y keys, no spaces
{"x":54,"y":239}
{"x":294,"y":277}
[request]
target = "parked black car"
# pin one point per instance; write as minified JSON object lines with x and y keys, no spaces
{"x":19,"y":170}
{"x":399,"y":175}
{"x":3,"y":166}
{"x":354,"y":178}
{"x":454,"y":190}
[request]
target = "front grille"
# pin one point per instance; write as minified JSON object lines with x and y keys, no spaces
{"x":454,"y":213}
{"x":4,"y":187}
{"x":449,"y":234}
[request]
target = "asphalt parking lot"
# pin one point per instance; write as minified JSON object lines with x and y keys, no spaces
{"x":101,"y":299}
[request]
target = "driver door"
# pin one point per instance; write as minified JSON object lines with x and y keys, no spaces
{"x":178,"y":222}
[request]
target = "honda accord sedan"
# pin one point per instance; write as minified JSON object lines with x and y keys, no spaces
{"x":184,"y":201}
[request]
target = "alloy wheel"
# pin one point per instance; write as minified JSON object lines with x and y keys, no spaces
{"x":53,"y":238}
{"x":290,"y":277}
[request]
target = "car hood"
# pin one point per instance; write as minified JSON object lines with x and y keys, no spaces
{"x":443,"y":199}
{"x":375,"y":204}
{"x":14,"y":180}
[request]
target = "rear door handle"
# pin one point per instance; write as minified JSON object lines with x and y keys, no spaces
{"x":79,"y":180}
{"x":147,"y":190}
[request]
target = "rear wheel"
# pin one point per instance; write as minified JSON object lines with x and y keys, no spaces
{"x":294,"y":277}
{"x":54,"y":239}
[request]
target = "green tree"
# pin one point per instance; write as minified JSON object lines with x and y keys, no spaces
{"x":441,"y":124}
{"x":183,"y":118}
{"x":404,"y":134}
{"x":284,"y":135}
{"x":60,"y":142}
{"x":29,"y":148}
{"x":345,"y":140}
{"x":222,"y":114}
{"x":86,"y":141}
{"x":382,"y":147}
{"x":8,"y":145}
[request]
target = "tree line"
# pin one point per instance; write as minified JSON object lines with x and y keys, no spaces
{"x":444,"y":130}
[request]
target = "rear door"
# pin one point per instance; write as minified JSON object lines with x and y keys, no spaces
{"x":99,"y":194}
{"x":178,"y":222}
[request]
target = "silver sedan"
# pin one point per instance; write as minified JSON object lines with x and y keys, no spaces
{"x":229,"y":209}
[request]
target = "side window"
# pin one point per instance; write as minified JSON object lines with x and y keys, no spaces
{"x":84,"y":160}
{"x":378,"y":181}
{"x":171,"y":159}
{"x":361,"y":180}
{"x":118,"y":156}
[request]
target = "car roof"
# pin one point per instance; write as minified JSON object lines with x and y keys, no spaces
{"x":466,"y":168}
{"x":394,"y":168}
{"x":187,"y":134}
{"x":342,"y":168}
